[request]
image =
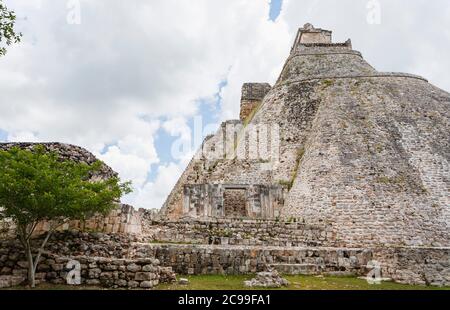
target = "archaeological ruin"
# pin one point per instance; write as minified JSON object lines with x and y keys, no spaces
{"x":333,"y":169}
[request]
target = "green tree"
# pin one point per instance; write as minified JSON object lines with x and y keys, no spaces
{"x":37,"y":186}
{"x":8,"y":35}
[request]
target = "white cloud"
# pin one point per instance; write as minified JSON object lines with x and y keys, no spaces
{"x":413,"y":36}
{"x":106,"y":82}
{"x":103,"y":83}
{"x":22,"y":136}
{"x":133,"y":156}
{"x":130,"y":167}
{"x":153,"y":194}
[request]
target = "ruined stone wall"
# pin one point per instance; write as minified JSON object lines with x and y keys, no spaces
{"x":415,"y":265}
{"x":76,"y":243}
{"x":239,"y":232}
{"x":251,"y":98}
{"x":143,"y":273}
{"x":123,"y":220}
{"x":113,"y":260}
{"x":200,"y":259}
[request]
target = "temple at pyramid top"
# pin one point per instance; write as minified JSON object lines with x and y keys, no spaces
{"x":308,"y":35}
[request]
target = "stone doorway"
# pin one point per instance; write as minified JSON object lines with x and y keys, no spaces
{"x":235,"y":203}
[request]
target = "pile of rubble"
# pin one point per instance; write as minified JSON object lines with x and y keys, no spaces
{"x":267,"y":279}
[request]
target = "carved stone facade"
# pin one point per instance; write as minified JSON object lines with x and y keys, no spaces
{"x":232,"y":201}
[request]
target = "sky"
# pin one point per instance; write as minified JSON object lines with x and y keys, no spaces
{"x":140,"y":83}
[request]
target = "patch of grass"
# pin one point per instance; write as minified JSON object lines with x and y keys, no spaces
{"x":285,"y":183}
{"x":221,"y":233}
{"x":292,"y":220}
{"x":217,"y":282}
{"x":328,"y":82}
{"x":394,"y":180}
{"x":57,"y":287}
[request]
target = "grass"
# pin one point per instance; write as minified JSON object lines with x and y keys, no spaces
{"x":218,"y":282}
{"x":57,"y":287}
{"x":214,"y":282}
{"x":328,"y":83}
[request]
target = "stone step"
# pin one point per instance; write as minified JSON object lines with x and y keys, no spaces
{"x":296,"y":269}
{"x":233,"y":259}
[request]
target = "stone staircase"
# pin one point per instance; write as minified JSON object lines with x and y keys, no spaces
{"x":238,"y":259}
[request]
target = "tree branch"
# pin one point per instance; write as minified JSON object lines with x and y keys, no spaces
{"x":41,"y":249}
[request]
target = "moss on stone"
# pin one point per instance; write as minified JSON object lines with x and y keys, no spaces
{"x":290,"y":183}
{"x":328,"y":83}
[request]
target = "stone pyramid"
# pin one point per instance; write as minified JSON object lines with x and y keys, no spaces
{"x":334,"y":142}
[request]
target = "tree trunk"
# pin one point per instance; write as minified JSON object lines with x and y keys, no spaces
{"x":24,"y":237}
{"x":31,"y":270}
{"x":41,"y":250}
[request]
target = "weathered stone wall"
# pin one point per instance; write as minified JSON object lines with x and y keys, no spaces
{"x":202,"y":259}
{"x":123,"y":220}
{"x":239,"y":232}
{"x":76,"y":243}
{"x":378,"y":175}
{"x":251,"y":98}
{"x":110,"y":259}
{"x":96,"y":271}
{"x":415,"y":265}
{"x":103,"y":260}
{"x":418,"y":266}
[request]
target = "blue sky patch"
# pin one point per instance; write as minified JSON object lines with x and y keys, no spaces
{"x":208,"y":114}
{"x":3,"y":135}
{"x":275,"y":9}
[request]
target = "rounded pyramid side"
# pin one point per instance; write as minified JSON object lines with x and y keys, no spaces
{"x":376,"y":164}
